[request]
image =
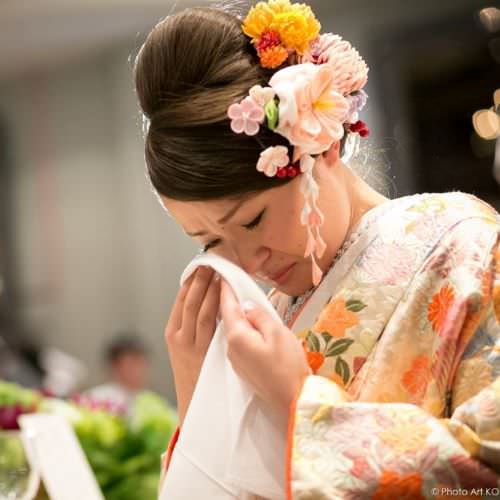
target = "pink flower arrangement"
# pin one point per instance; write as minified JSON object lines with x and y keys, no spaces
{"x":95,"y":404}
{"x":273,"y":158}
{"x":311,"y":110}
{"x":350,"y":72}
{"x":246,"y":116}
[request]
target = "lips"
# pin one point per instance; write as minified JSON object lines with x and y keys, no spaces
{"x":281,"y":274}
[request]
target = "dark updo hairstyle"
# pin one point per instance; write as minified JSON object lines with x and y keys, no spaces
{"x":191,"y":68}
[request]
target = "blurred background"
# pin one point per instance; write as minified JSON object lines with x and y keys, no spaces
{"x":86,"y":252}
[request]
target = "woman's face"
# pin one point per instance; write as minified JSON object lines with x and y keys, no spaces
{"x":262,"y":233}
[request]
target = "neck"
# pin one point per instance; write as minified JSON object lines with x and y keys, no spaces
{"x":363,"y":196}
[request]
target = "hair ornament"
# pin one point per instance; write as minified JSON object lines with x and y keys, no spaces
{"x":279,"y":29}
{"x":313,"y":101}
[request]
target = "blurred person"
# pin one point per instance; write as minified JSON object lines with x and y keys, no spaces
{"x":128,"y":363}
{"x":385,"y":362}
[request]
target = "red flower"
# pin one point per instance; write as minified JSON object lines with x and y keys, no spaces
{"x":267,"y":40}
{"x":315,"y":360}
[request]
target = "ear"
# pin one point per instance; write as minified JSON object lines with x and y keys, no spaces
{"x":332,"y":156}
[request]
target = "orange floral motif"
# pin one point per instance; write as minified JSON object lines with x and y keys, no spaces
{"x":438,"y":308}
{"x":335,"y":319}
{"x":415,"y":380}
{"x":394,"y":486}
{"x":315,"y":360}
{"x":273,"y":57}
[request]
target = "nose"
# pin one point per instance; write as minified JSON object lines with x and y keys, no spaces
{"x":251,"y":257}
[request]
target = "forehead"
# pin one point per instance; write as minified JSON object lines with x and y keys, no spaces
{"x":212,"y":206}
{"x":189,"y":213}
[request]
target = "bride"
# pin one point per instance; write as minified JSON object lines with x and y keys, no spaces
{"x":389,"y":382}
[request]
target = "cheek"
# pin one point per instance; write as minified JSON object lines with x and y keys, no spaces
{"x":284,"y":232}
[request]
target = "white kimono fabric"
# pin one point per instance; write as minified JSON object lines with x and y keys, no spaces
{"x":231,"y":446}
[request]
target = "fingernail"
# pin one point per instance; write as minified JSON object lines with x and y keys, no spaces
{"x":248,"y":305}
{"x":217,"y":277}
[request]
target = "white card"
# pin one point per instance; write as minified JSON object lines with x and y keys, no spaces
{"x":54,"y":452}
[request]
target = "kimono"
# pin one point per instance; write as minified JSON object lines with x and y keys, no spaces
{"x":403,"y":340}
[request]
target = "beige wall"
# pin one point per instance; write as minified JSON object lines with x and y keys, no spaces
{"x":96,"y":252}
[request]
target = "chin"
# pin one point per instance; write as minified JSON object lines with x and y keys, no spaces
{"x":294,"y":290}
{"x":300,"y":282}
{"x":297,"y":286}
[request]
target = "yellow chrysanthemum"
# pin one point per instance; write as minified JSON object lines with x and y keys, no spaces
{"x":297,"y":28}
{"x":273,"y":57}
{"x":295,"y":23}
{"x":261,"y":16}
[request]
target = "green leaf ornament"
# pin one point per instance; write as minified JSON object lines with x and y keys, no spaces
{"x":272,"y":114}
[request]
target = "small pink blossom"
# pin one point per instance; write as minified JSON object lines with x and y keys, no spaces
{"x":273,"y":158}
{"x":246,"y":116}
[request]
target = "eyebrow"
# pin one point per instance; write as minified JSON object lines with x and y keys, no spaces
{"x":223,"y":219}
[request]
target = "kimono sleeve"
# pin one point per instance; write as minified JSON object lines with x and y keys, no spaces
{"x":476,"y":388}
{"x":342,"y":448}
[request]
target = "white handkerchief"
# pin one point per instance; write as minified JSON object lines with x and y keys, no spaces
{"x":231,"y":445}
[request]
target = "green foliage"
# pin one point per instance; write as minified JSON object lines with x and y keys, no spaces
{"x":125,"y":453}
{"x":15,"y":395}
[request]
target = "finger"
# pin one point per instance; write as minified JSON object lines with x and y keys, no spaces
{"x":242,"y":339}
{"x":207,"y":317}
{"x":175,"y":319}
{"x":230,"y":309}
{"x":193,"y":302}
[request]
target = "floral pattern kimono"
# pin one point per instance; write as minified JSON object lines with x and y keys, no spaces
{"x":403,"y":339}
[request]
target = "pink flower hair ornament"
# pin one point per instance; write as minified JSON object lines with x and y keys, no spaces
{"x":313,"y":104}
{"x":246,"y":116}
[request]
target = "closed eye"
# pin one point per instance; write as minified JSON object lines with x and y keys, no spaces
{"x":251,"y":225}
{"x":210,"y":245}
{"x":255,"y":222}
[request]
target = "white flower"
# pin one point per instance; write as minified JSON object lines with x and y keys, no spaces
{"x":262,"y":95}
{"x":273,"y":158}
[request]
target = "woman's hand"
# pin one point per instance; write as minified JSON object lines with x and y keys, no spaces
{"x":262,"y":351}
{"x":189,"y":331}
